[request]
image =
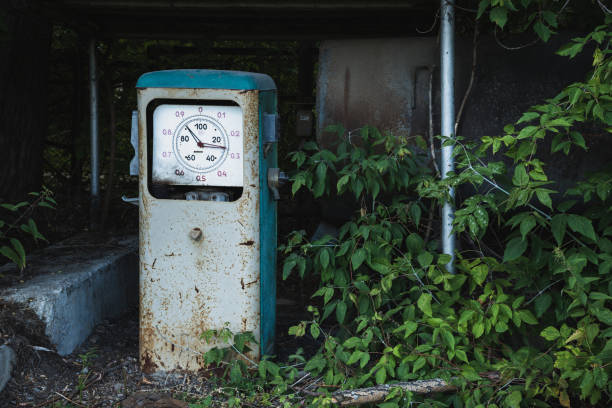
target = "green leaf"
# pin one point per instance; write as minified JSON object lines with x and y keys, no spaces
{"x":586,"y":386}
{"x":19,"y":249}
{"x":550,"y":17}
{"x":528,"y":116}
{"x":352,"y":343}
{"x":410,"y":328}
{"x":341,"y":311}
{"x":314,"y":331}
{"x":288,"y":267}
{"x":527,"y":225}
{"x":521,"y":178}
{"x":544,"y":197}
{"x":480,"y":273}
{"x":415,"y":213}
{"x":33,"y":230}
{"x":388,"y":405}
{"x":425,"y":259}
{"x":343,"y":181}
{"x":599,"y":296}
{"x":542,"y":303}
{"x":324,"y":258}
{"x":604,"y":316}
{"x":527,"y":132}
{"x":478,"y":329}
{"x":355,"y":356}
{"x":550,"y":333}
{"x":12,"y":255}
{"x":365,"y":357}
{"x":482,"y":217}
{"x":513,"y":400}
{"x":465,"y":317}
{"x":448,"y":338}
{"x":357,"y":258}
{"x":582,"y":225}
{"x":558,"y":226}
{"x":482,"y":6}
{"x":570,"y":50}
{"x":527,"y":317}
{"x":542,"y":31}
{"x":381,"y":375}
{"x":328,"y":294}
{"x":499,"y":15}
{"x":461,"y":355}
{"x":418,"y":364}
{"x":424,"y":304}
{"x":514,"y":249}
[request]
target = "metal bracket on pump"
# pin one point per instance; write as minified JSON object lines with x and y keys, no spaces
{"x":134,"y":161}
{"x":271,"y":130}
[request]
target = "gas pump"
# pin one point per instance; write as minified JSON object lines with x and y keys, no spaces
{"x":208,"y":184}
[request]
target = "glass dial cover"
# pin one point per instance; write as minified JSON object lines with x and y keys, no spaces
{"x":197,"y":145}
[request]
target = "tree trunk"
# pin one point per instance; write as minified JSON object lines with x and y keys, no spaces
{"x":23,"y":101}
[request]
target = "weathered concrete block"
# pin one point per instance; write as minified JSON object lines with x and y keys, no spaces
{"x":79,"y":283}
{"x":7,"y":361}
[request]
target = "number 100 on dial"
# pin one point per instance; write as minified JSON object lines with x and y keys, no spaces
{"x":198,"y":145}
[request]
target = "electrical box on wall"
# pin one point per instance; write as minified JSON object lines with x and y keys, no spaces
{"x":208,"y":182}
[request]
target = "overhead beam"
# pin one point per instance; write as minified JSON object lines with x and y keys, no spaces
{"x":245,"y":4}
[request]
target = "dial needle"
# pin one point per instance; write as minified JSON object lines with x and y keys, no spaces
{"x":211,"y":145}
{"x":198,"y":141}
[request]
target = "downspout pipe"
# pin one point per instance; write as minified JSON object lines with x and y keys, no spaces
{"x":94,"y":142}
{"x":447,"y":92}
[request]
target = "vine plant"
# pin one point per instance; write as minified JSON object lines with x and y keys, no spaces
{"x":19,"y":221}
{"x":538,"y":315}
{"x":524,"y":321}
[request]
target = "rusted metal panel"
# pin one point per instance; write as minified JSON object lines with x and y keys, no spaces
{"x":191,"y":285}
{"x":370,"y":82}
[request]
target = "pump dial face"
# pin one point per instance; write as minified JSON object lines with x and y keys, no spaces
{"x":198,"y":145}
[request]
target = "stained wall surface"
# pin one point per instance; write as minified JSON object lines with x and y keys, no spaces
{"x":385,"y":82}
{"x":370,"y":82}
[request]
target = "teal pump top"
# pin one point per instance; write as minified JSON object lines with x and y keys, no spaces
{"x":207,"y":79}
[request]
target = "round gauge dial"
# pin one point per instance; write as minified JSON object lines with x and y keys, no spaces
{"x":200,"y":143}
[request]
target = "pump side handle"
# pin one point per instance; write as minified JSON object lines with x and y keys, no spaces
{"x":276,"y":179}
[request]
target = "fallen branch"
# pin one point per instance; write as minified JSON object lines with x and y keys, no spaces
{"x":378,"y":393}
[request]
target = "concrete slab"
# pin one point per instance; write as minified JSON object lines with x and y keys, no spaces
{"x":7,"y":362}
{"x":79,"y":283}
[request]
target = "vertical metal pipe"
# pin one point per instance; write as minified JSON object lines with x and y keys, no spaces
{"x":447,"y":84}
{"x":93,"y":121}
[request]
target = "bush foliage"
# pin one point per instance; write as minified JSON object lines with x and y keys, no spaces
{"x":524,"y":321}
{"x":535,"y":309}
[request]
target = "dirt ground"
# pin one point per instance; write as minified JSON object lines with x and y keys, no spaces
{"x":104,"y":371}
